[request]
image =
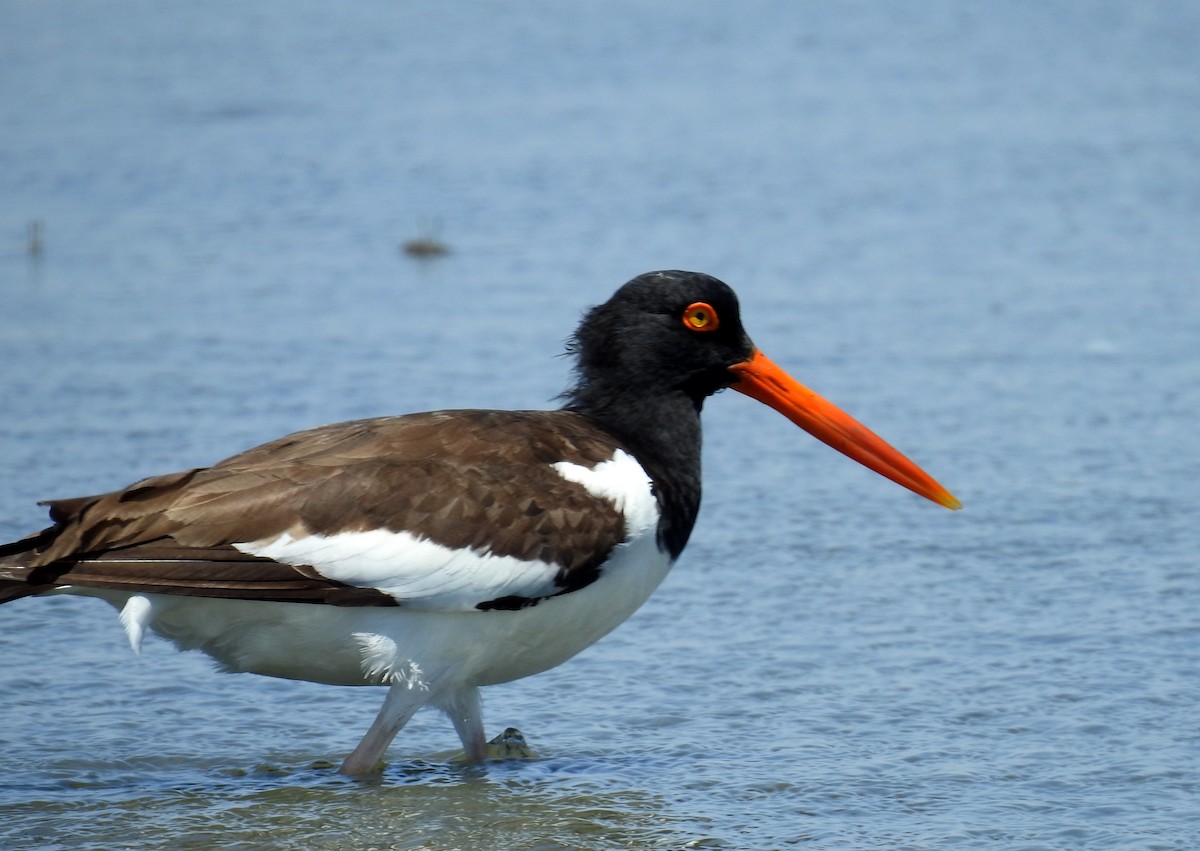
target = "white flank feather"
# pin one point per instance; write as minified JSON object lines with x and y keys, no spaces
{"x":136,"y":615}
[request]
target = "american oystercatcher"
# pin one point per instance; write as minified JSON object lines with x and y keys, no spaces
{"x":439,"y":552}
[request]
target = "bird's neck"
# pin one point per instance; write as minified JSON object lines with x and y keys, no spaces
{"x":662,"y":431}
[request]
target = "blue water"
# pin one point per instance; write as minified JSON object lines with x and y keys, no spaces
{"x":976,"y":226}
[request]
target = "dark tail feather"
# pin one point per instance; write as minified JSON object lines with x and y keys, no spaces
{"x":29,"y":544}
{"x":15,"y":589}
{"x":15,"y":571}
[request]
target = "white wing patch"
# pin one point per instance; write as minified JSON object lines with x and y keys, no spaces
{"x":415,"y":571}
{"x":622,"y":481}
{"x":422,"y":574}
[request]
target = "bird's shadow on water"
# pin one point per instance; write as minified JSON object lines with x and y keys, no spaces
{"x":588,"y":801}
{"x":595,"y":801}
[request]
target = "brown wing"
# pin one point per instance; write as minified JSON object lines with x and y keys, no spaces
{"x":464,"y":479}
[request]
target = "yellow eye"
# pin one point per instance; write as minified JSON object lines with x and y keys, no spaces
{"x":701,"y":317}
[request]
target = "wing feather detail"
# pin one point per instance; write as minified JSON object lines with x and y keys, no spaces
{"x":458,"y":509}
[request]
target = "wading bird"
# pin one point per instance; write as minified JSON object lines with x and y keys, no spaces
{"x":440,"y":552}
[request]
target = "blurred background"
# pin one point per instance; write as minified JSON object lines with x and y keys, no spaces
{"x":975,"y":226}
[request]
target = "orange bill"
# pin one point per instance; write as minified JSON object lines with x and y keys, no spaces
{"x":759,"y":378}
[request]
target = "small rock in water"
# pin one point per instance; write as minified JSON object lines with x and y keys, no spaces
{"x":425,"y":247}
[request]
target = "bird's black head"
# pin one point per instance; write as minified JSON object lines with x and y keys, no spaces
{"x":661,"y":333}
{"x":651,"y":354}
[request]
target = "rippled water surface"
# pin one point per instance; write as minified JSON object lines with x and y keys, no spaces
{"x":973,"y":225}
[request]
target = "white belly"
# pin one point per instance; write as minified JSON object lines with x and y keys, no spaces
{"x":364,"y":646}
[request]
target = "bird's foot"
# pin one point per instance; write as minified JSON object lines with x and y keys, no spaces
{"x":509,"y":745}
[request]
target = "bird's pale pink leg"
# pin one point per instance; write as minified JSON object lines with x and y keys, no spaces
{"x":401,"y":703}
{"x":466,"y":712}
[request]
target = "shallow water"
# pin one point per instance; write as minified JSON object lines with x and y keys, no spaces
{"x":974,"y":227}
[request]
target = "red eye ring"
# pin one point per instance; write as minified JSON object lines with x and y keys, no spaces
{"x":700,"y":316}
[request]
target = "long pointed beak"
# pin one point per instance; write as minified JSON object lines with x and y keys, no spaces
{"x":759,"y":378}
